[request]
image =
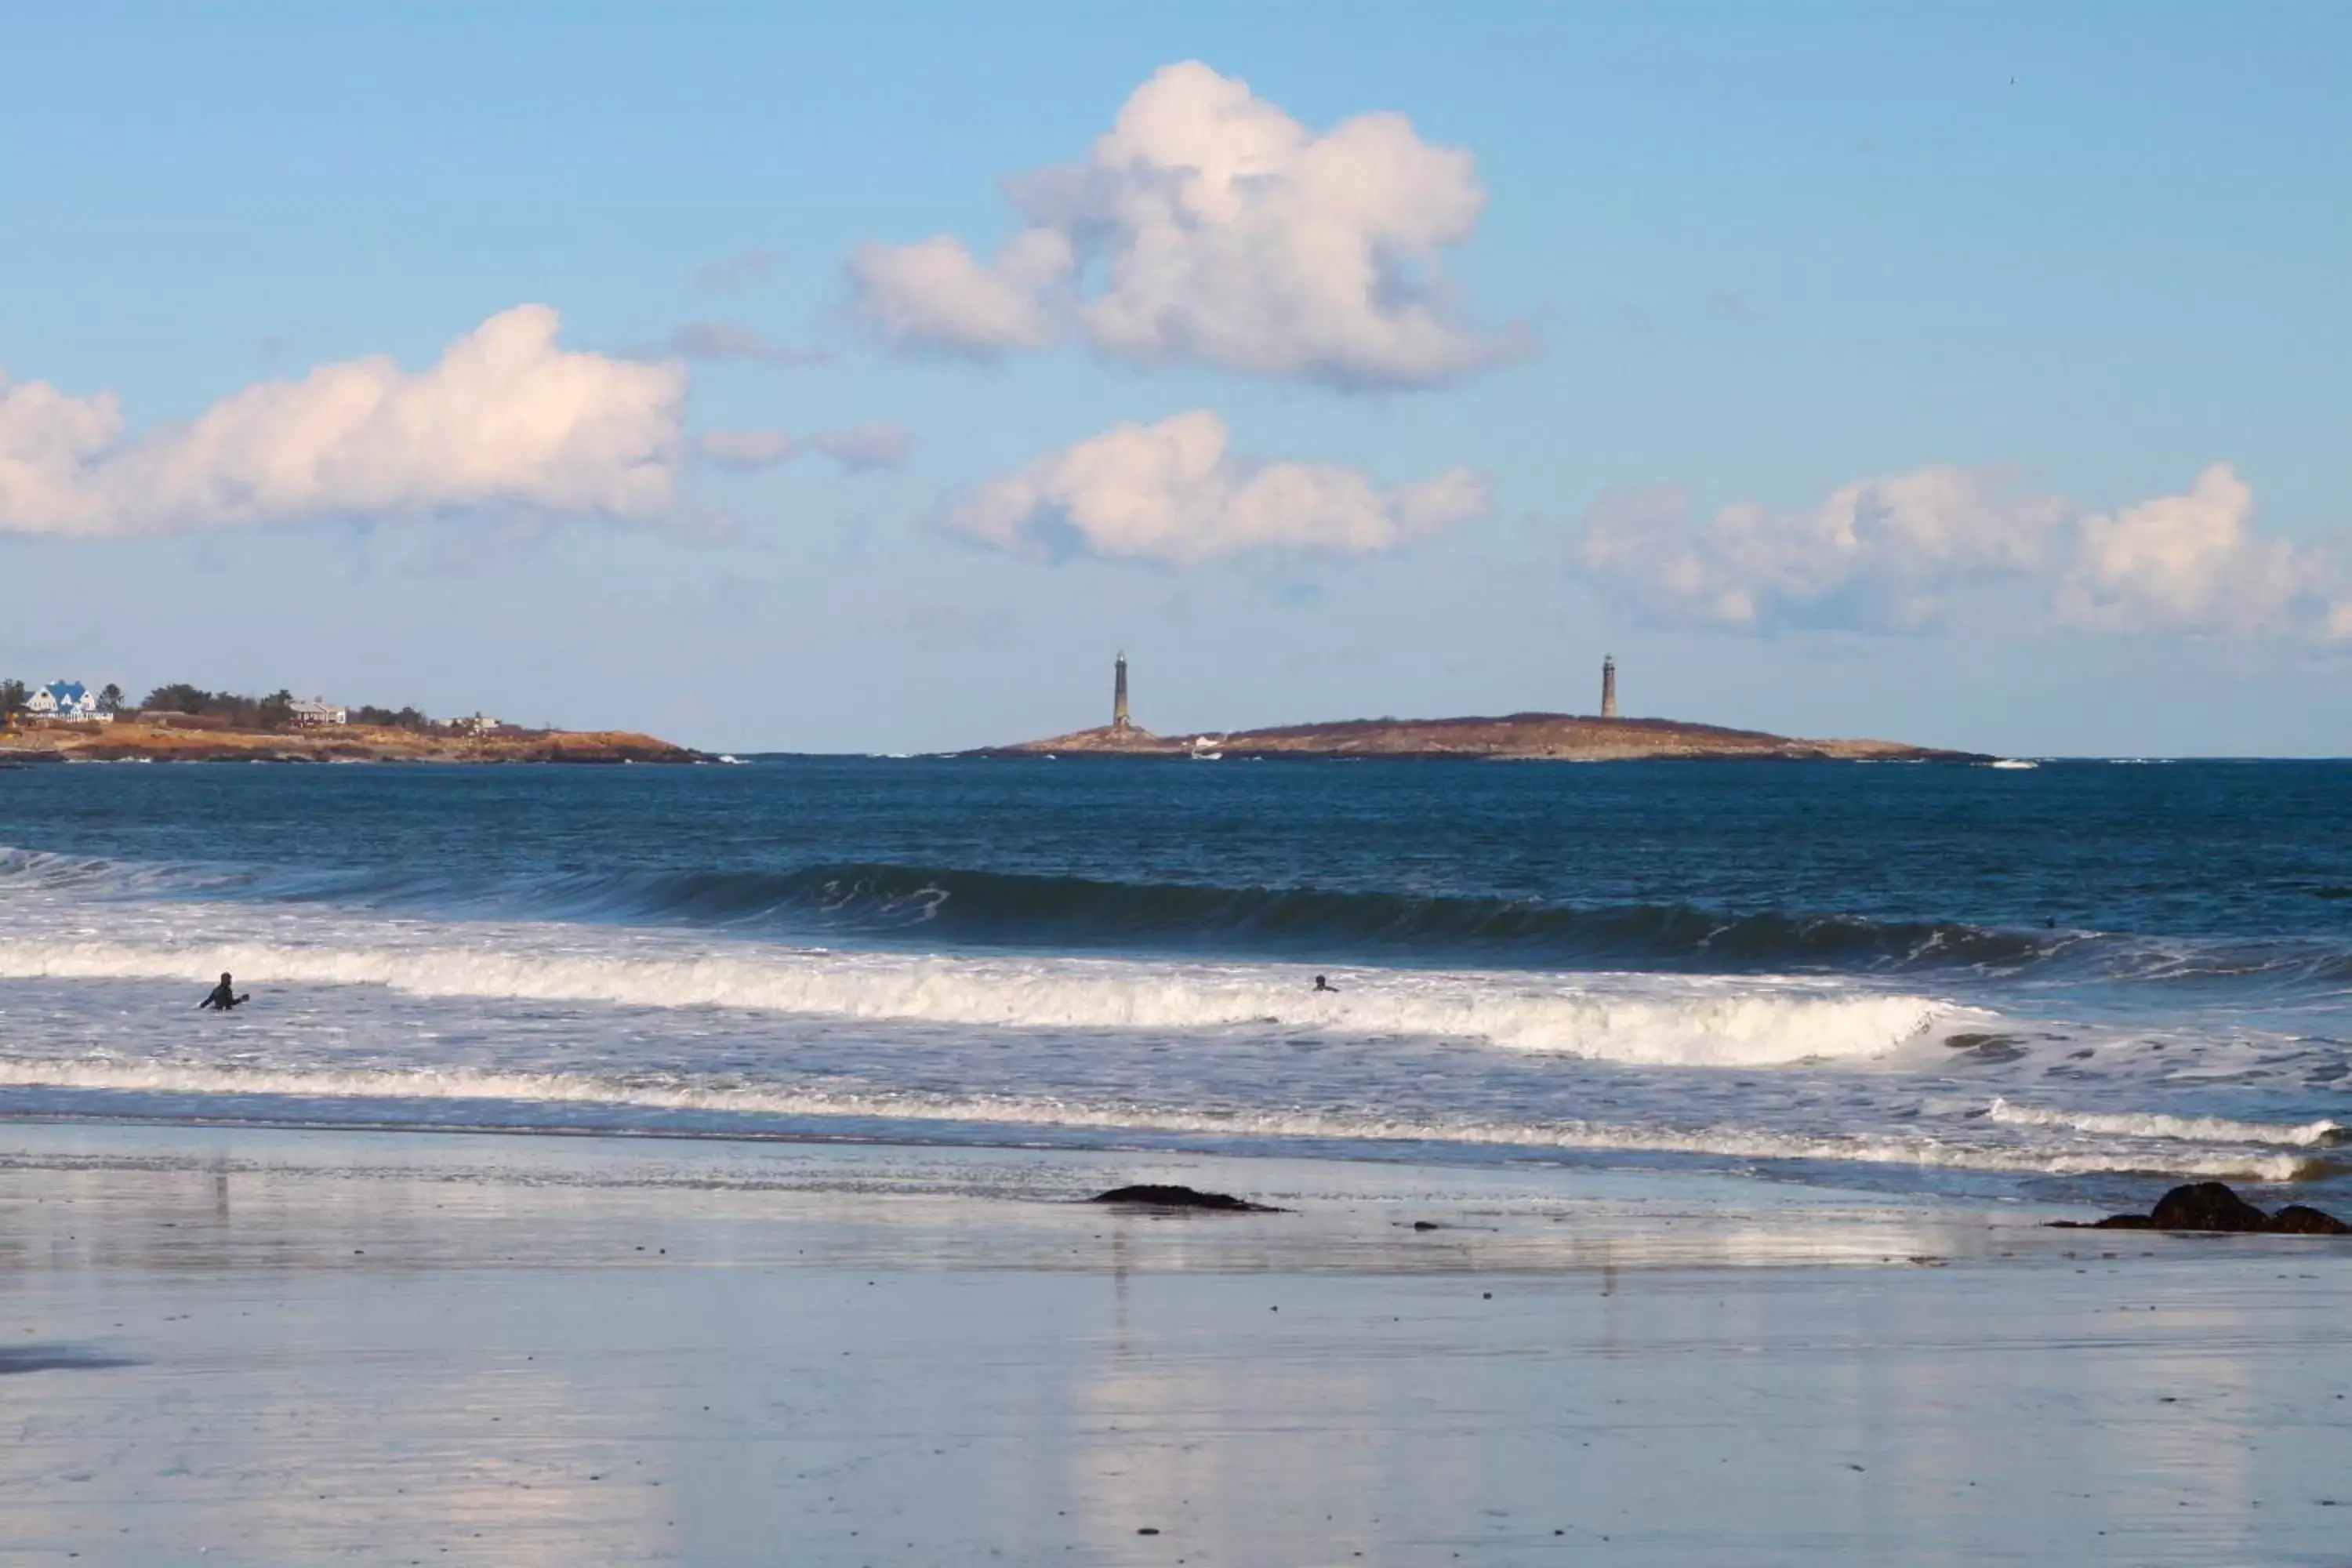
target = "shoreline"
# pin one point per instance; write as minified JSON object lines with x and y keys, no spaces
{"x":2095,"y":1190}
{"x":294,"y":1347}
{"x":1322,"y":1199}
{"x":1623,"y":1197}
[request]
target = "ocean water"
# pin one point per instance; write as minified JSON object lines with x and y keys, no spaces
{"x":2074,"y":982}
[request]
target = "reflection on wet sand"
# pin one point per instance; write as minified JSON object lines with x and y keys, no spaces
{"x":26,"y":1358}
{"x":295,"y":1348}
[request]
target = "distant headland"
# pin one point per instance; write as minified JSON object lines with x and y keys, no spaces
{"x":1532,"y":737}
{"x":65,"y":722}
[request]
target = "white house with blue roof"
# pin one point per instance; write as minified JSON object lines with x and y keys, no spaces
{"x":64,"y":699}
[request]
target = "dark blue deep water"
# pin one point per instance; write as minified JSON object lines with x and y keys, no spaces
{"x":1805,"y":863}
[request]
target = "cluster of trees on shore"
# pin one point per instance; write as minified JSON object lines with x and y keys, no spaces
{"x":275,"y":712}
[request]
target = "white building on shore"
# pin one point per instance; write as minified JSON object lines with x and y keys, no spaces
{"x":67,"y":700}
{"x":316,"y":710}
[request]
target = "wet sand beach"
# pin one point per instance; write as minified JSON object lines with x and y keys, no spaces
{"x":230,"y":1346}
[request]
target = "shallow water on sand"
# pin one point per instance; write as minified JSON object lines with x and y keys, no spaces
{"x":264,"y":1347}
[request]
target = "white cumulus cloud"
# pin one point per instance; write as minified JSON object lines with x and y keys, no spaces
{"x":506,"y":421}
{"x":1880,"y":554}
{"x":2192,"y":563}
{"x":935,"y":296}
{"x":1172,"y":492}
{"x":1208,"y":224}
{"x":1886,"y":553}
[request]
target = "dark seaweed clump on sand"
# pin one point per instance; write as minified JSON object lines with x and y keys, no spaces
{"x":1169,"y":1197}
{"x":2212,"y":1206}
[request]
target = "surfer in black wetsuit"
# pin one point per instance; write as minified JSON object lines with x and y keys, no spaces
{"x":223,"y":997}
{"x":1323,"y":985}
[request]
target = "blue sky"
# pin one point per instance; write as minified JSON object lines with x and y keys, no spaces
{"x":1955,"y":310}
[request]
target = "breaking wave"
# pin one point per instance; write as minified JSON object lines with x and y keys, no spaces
{"x":575,"y":1090}
{"x":989,"y":909}
{"x":886,"y":905}
{"x":1683,"y":1023}
{"x":2320,"y":1134}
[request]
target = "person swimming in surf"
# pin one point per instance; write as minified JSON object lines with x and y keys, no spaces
{"x":1323,"y":985}
{"x":223,"y":996}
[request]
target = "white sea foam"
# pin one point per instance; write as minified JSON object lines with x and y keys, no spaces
{"x":1033,"y":1110}
{"x":2322,"y":1133}
{"x":553,"y":1023}
{"x":1649,"y":1020}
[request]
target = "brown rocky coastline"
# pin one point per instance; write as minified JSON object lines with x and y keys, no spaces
{"x":195,"y":742}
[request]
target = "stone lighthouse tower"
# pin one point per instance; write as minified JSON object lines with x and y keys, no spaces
{"x":1608,"y":685}
{"x":1118,"y":694}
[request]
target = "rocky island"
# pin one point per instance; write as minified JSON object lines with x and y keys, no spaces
{"x":1530,"y":737}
